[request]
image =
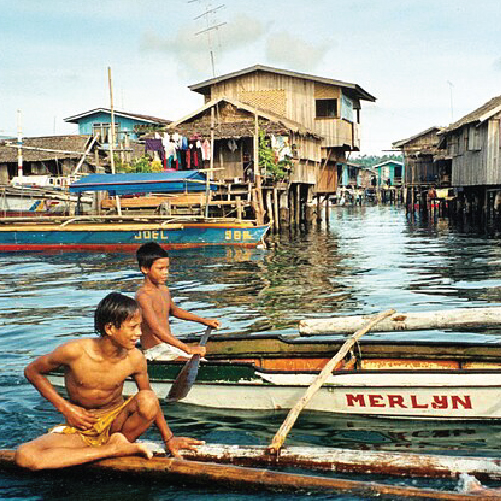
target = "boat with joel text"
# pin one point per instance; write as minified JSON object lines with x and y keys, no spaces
{"x":129,"y":231}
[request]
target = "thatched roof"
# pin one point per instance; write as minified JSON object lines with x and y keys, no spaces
{"x":66,"y":146}
{"x":250,"y":111}
{"x":204,"y":87}
{"x":486,"y":111}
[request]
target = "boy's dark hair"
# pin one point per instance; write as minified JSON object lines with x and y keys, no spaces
{"x":148,"y":253}
{"x":113,"y":309}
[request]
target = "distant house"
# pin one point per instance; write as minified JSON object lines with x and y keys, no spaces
{"x":389,"y":180}
{"x":51,"y":155}
{"x":127,"y":125}
{"x":389,"y":173}
{"x":422,"y":166}
{"x":472,"y":146}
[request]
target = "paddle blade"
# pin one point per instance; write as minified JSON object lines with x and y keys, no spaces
{"x":185,"y":379}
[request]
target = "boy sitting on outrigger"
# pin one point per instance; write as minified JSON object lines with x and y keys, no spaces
{"x":99,"y":423}
{"x":156,"y":304}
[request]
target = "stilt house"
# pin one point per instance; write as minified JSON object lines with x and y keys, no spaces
{"x":473,"y":146}
{"x":315,"y":119}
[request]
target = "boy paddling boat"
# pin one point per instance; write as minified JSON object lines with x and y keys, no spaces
{"x":99,"y":423}
{"x":157,"y":306}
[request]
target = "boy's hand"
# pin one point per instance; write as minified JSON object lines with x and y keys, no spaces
{"x":212,"y":322}
{"x":197,"y":350}
{"x":175,"y":444}
{"x":79,"y":417}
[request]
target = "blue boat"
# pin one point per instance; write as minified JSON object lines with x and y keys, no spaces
{"x":111,"y":232}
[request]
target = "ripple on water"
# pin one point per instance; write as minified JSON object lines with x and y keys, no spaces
{"x":366,"y":260}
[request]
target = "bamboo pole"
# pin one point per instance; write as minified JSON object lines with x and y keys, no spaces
{"x":19,"y":144}
{"x":454,"y":318}
{"x":169,"y":469}
{"x":289,"y":421}
{"x":396,"y":464}
{"x":211,"y":164}
{"x":119,"y":209}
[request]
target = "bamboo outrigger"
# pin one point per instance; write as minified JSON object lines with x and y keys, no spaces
{"x":169,"y":470}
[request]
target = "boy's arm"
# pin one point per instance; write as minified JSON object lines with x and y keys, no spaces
{"x":186,"y":315}
{"x":173,"y":444}
{"x":35,"y":373}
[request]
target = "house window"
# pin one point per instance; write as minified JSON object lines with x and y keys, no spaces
{"x":326,"y":108}
{"x":104,"y":130}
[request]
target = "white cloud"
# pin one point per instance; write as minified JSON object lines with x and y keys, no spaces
{"x":295,"y":53}
{"x":192,"y":52}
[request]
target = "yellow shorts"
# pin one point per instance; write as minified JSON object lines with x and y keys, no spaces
{"x":99,"y":434}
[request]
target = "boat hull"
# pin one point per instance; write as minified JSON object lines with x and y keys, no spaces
{"x":446,"y":395}
{"x":127,"y":236}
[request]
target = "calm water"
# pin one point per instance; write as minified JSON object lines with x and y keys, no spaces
{"x":366,"y":260}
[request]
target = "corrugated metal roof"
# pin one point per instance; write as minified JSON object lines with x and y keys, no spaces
{"x":362,"y":94}
{"x":398,"y":144}
{"x":137,"y":116}
{"x":481,"y":114}
{"x":126,"y":184}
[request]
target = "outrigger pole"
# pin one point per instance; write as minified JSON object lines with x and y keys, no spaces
{"x":171,"y":469}
{"x":281,"y":434}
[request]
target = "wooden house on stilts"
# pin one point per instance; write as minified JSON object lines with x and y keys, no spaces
{"x":280,"y":139}
{"x":472,"y":146}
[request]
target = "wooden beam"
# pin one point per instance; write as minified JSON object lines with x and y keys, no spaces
{"x":169,"y":469}
{"x":456,"y":318}
{"x":352,"y":461}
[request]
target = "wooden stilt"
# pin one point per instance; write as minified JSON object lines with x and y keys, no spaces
{"x":275,"y":209}
{"x":298,"y":205}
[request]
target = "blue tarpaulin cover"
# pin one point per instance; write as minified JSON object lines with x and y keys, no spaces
{"x":128,"y":184}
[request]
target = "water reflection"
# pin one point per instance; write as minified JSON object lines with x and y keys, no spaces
{"x":365,"y":260}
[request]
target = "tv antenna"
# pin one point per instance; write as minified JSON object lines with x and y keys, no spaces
{"x":212,"y":26}
{"x":451,"y":86}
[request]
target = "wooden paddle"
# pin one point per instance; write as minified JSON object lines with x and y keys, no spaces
{"x":185,"y":379}
{"x":281,"y":434}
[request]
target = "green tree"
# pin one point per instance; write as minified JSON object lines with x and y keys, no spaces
{"x":268,"y":161}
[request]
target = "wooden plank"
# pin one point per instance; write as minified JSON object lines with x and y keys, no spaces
{"x":169,"y":469}
{"x":456,"y":318}
{"x":352,"y":461}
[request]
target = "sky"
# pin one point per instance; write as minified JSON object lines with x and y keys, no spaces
{"x":428,"y":62}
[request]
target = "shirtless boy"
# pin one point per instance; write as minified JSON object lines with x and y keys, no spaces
{"x":156,"y":305}
{"x":99,"y":423}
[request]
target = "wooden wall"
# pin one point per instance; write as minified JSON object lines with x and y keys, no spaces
{"x":476,"y":154}
{"x":293,"y":98}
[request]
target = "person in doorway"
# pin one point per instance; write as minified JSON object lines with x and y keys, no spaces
{"x":99,"y":422}
{"x":157,"y":306}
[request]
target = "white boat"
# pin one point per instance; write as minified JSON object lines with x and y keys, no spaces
{"x":404,"y":380}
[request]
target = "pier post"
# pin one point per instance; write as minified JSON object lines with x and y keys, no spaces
{"x":284,"y":207}
{"x":308,"y":213}
{"x":276,"y":224}
{"x":297,"y":215}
